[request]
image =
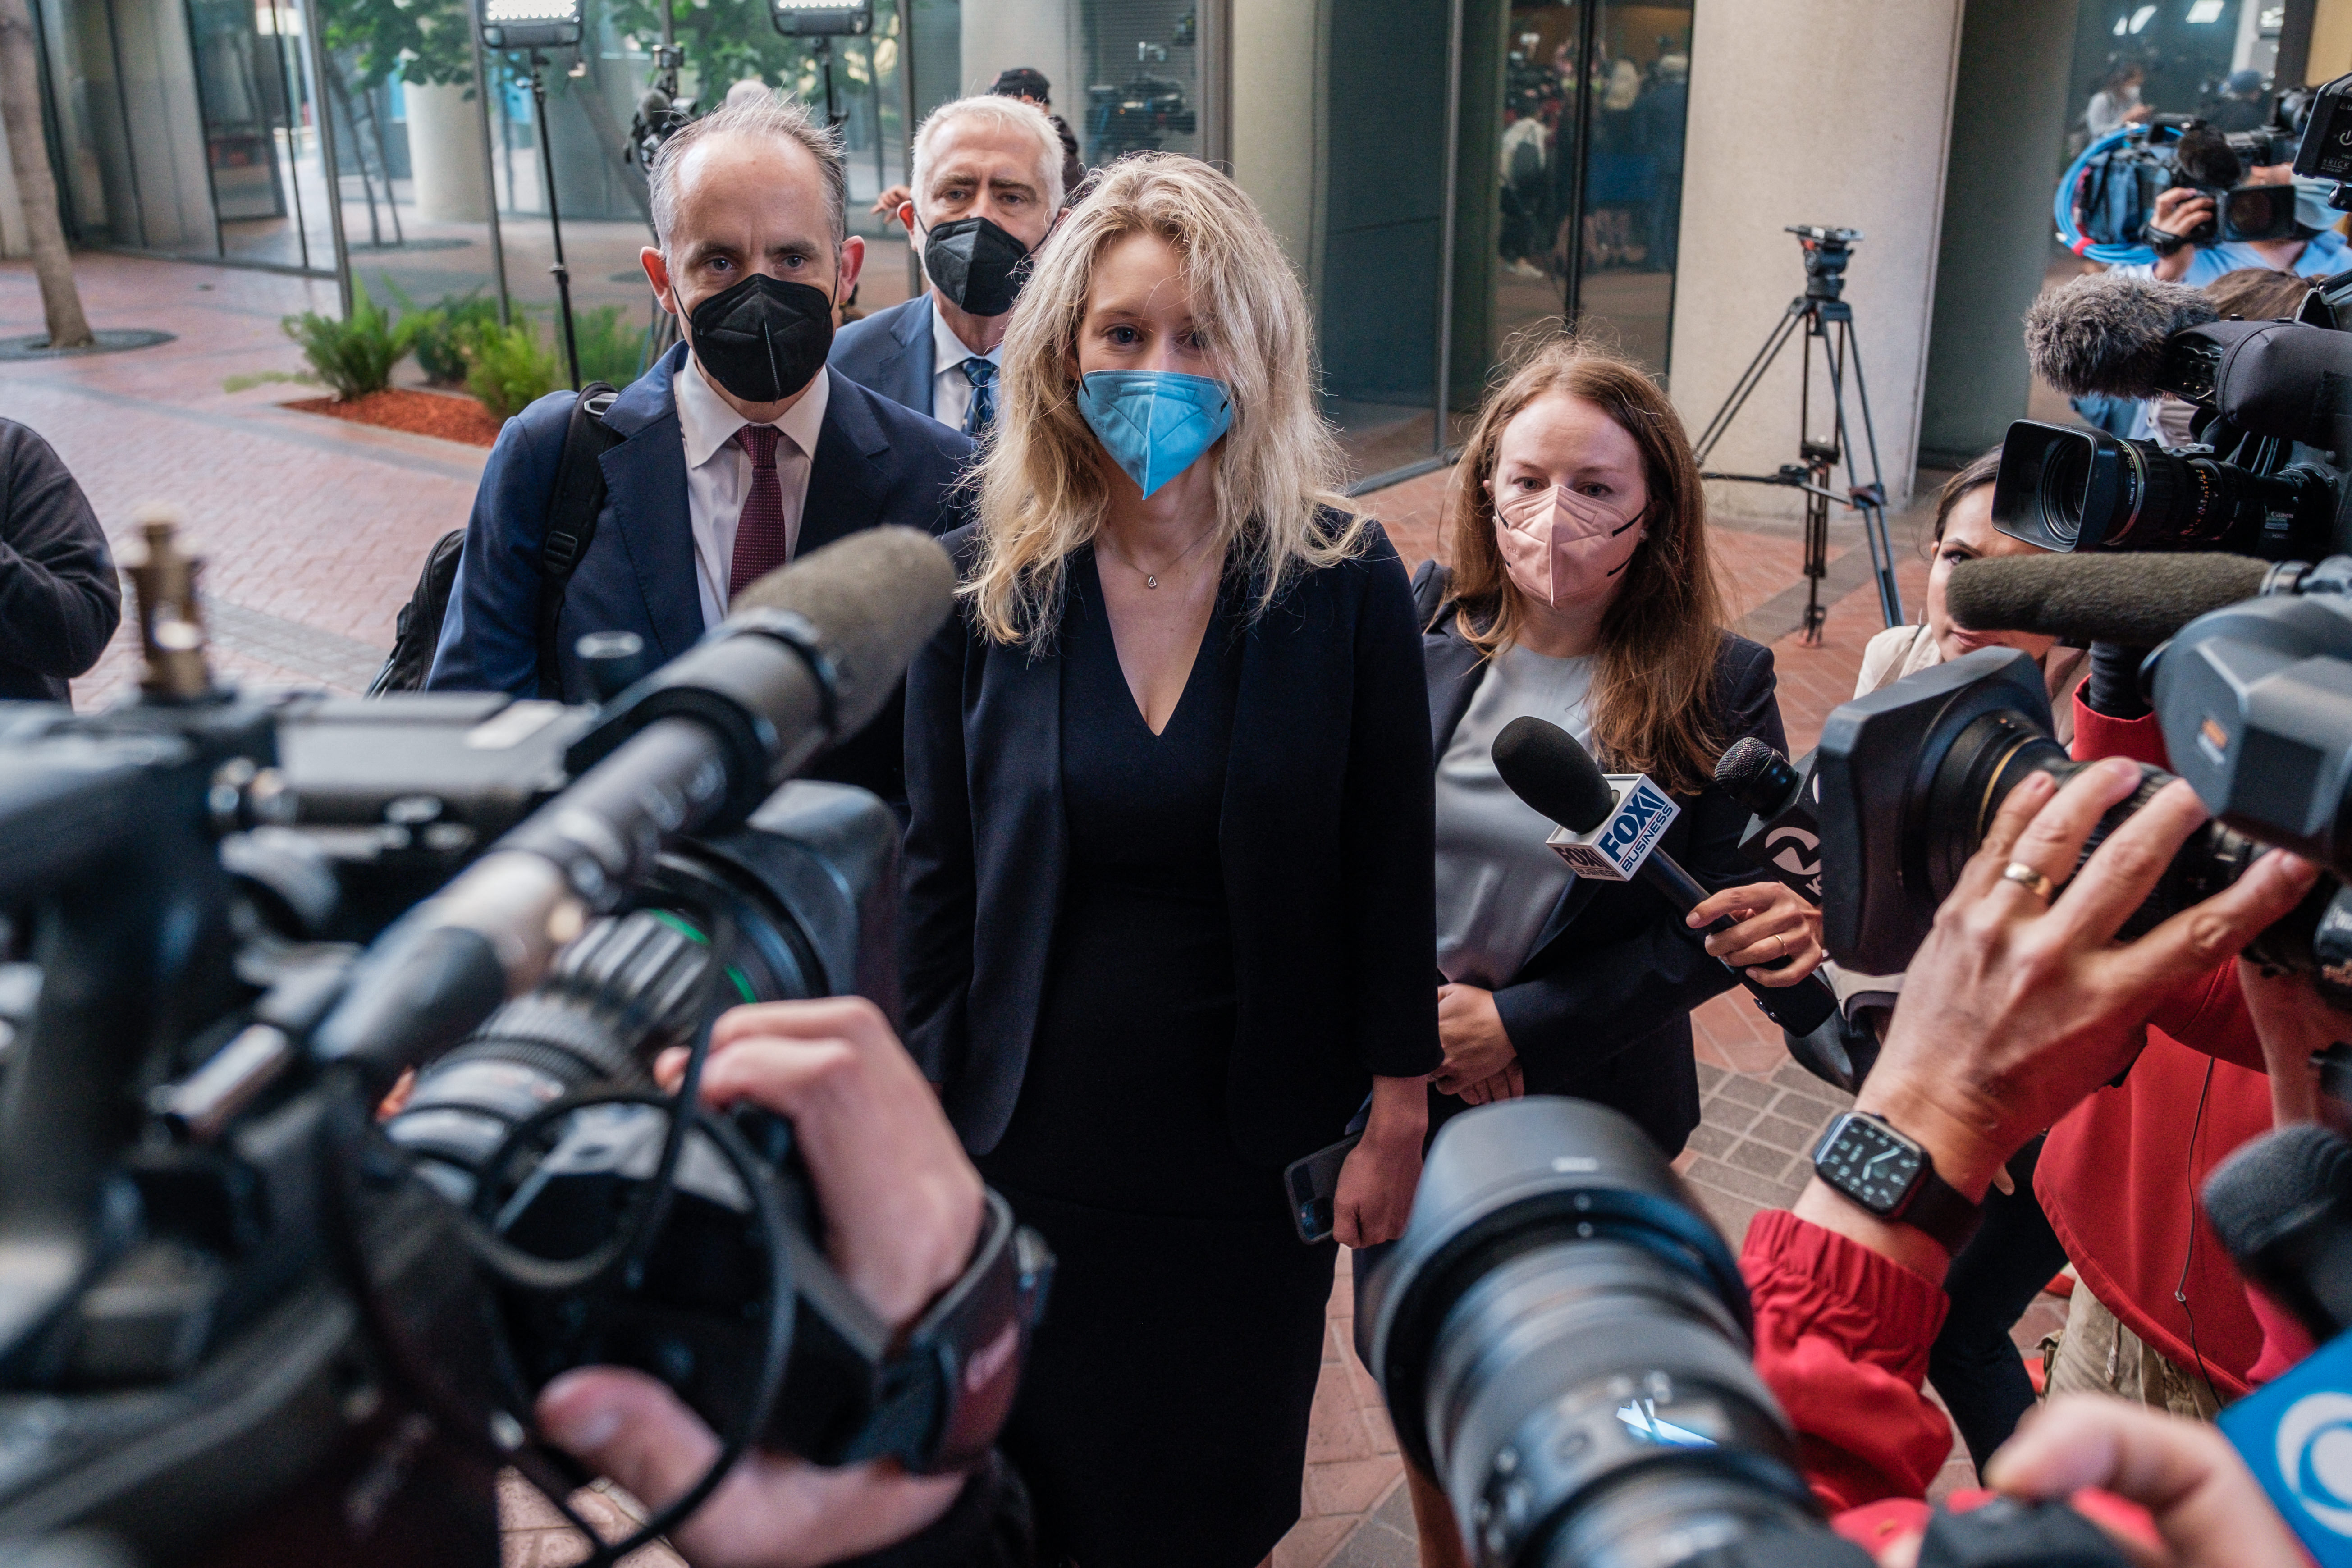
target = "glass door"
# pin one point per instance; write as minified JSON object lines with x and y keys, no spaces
{"x":1577,"y":113}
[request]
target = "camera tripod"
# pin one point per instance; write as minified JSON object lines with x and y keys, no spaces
{"x":1828,"y":321}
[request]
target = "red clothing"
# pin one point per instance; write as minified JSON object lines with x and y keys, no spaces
{"x":2120,"y":1172}
{"x":1841,"y":1338}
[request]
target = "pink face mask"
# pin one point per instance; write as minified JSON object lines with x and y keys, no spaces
{"x":1565,"y":548}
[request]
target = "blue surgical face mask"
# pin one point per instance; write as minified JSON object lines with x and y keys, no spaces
{"x":1155,"y":424}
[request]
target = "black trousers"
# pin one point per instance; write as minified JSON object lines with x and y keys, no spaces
{"x":1973,"y":1363}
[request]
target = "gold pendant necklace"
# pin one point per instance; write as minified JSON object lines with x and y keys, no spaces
{"x":1152,"y":579}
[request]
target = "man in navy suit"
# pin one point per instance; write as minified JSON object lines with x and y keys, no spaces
{"x":725,"y":469}
{"x":980,"y":163}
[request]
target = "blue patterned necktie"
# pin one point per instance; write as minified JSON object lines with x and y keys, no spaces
{"x":981,"y":415}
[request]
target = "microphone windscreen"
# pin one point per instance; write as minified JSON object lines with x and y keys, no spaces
{"x":2275,"y":1185}
{"x":1545,"y":767}
{"x":1746,"y":762}
{"x":874,"y":599}
{"x":2127,"y":597}
{"x":2107,"y":332}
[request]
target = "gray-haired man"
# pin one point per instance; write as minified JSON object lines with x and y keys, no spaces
{"x":988,"y":185}
{"x":737,"y":452}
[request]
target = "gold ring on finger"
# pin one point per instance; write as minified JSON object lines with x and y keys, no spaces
{"x":2031,"y":879}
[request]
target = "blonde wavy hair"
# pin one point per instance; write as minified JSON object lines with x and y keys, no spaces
{"x":1042,"y":493}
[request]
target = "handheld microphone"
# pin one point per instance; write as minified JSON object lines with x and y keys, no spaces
{"x":1783,"y":837}
{"x":2282,"y":1207}
{"x":1614,"y":828}
{"x":2139,"y":599}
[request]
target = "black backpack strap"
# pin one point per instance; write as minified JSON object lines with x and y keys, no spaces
{"x":572,"y":513}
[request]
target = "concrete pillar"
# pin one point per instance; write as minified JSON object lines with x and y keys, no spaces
{"x":2008,"y":125}
{"x":1835,"y":112}
{"x":1278,"y":79}
{"x":1041,"y":34}
{"x":444,"y":153}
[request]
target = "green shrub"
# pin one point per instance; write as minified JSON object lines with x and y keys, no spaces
{"x":611,"y":350}
{"x":440,"y":339}
{"x":508,"y":367}
{"x":354,"y":356}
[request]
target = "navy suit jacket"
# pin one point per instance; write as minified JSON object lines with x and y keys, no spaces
{"x":1325,"y":840}
{"x":891,"y":352}
{"x":875,"y":463}
{"x":1600,"y":1009}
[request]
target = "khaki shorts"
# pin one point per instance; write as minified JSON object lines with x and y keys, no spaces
{"x":2095,"y":1353}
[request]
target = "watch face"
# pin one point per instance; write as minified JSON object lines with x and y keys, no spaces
{"x":1868,"y":1163}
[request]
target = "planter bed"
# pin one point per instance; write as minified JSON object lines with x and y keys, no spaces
{"x":418,"y":413}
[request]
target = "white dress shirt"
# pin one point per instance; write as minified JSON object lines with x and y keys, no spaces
{"x":718,"y":474}
{"x":951,"y":388}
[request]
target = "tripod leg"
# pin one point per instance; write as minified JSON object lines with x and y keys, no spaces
{"x":1873,"y":510}
{"x":1746,"y":384}
{"x":1817,"y":558}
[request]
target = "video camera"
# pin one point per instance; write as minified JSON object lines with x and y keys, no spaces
{"x":242,"y":1318}
{"x":2111,"y":192}
{"x":2266,"y":475}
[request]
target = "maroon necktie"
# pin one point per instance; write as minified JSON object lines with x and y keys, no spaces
{"x":760,"y":544}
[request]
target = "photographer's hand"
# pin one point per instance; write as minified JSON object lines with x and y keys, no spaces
{"x":2293,"y":1024}
{"x":2012,"y":1011}
{"x":2179,"y":211}
{"x":2205,"y":1502}
{"x":902,"y":1208}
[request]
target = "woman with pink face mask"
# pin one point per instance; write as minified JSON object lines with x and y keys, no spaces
{"x":1581,"y":591}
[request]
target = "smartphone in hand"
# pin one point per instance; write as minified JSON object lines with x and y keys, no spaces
{"x":1314,"y":1186}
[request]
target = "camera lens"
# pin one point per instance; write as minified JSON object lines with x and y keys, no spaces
{"x":1563,"y":1341}
{"x":2067,"y":489}
{"x":1912,"y":776}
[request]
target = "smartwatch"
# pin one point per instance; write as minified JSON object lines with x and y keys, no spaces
{"x":1869,"y":1162}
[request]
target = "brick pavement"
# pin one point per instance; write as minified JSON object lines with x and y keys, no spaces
{"x":314,"y":529}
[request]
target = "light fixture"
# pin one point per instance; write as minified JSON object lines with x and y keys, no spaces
{"x":821,"y":18}
{"x":2204,"y":11}
{"x":2140,"y":17}
{"x":529,"y":24}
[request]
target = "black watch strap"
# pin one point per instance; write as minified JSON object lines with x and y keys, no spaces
{"x":1930,"y":1204}
{"x":1940,"y":1209}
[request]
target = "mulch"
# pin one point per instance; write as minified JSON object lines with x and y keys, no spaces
{"x":418,"y":413}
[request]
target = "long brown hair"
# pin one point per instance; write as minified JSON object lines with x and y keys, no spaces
{"x":1652,"y":697}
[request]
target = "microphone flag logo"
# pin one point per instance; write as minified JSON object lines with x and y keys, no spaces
{"x":2296,"y":1434}
{"x":1615,"y":850}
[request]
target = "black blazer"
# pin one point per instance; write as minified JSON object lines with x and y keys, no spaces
{"x":1327,"y":839}
{"x":875,"y":463}
{"x":1601,"y":1008}
{"x":60,"y":600}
